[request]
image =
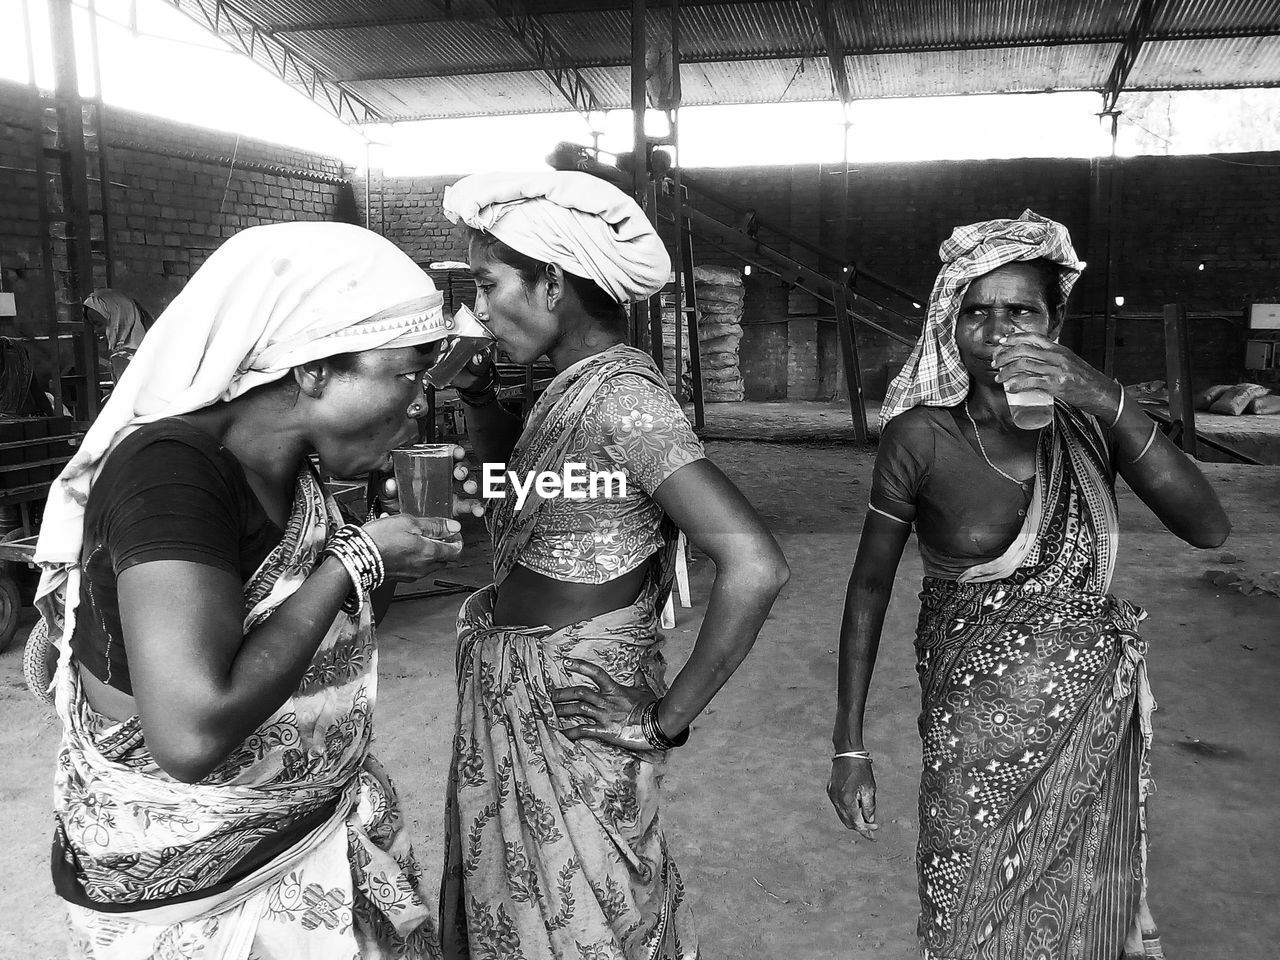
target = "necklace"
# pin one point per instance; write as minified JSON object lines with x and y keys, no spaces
{"x":983,"y":450}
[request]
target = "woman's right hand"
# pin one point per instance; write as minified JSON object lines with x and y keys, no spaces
{"x":852,"y":789}
{"x":411,"y":545}
{"x":478,"y":372}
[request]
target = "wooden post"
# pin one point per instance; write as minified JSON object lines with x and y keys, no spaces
{"x":1177,"y":354}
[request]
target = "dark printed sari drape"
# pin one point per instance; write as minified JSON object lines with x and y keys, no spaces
{"x":162,"y":853}
{"x":554,"y":848}
{"x":1036,"y":726}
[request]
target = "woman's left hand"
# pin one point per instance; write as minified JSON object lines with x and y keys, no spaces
{"x":1030,"y":361}
{"x":388,"y":493}
{"x":612,"y":711}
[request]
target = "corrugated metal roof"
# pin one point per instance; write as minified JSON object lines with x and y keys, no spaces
{"x":455,"y":58}
{"x":907,"y":24}
{"x":1003,"y":70}
{"x":1202,"y":16}
{"x":1186,"y":64}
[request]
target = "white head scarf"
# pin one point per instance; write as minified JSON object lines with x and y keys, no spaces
{"x":584,"y":225}
{"x":934,"y":374}
{"x":269,"y":299}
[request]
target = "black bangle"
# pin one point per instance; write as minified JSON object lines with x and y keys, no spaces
{"x":483,"y":398}
{"x":481,"y":394}
{"x":653,"y":732}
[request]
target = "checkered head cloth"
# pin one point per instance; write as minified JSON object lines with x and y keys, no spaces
{"x":934,"y":374}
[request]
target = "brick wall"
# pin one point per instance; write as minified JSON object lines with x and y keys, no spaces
{"x":177,"y":192}
{"x":1173,"y":214}
{"x":408,"y":210}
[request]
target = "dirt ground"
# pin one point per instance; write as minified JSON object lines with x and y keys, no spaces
{"x":771,"y":871}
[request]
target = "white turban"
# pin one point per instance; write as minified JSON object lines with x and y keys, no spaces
{"x":584,"y":225}
{"x":269,"y":299}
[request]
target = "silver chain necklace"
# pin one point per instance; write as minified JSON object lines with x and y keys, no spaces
{"x":983,"y":450}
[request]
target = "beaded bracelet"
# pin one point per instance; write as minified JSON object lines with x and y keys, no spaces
{"x":653,"y":733}
{"x":357,"y":552}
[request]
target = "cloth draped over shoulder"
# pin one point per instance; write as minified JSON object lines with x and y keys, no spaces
{"x":554,"y":848}
{"x":934,"y":373}
{"x":582,"y":223}
{"x":1035,"y":721}
{"x":163,"y":853}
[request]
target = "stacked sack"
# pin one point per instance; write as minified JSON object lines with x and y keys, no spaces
{"x":684,"y":389}
{"x":720,"y":294}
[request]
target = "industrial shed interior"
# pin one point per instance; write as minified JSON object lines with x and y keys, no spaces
{"x":795,"y":297}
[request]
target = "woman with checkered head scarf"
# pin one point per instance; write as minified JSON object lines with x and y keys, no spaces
{"x":1035,"y":704}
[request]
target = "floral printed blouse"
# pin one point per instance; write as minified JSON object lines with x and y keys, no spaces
{"x":633,"y":427}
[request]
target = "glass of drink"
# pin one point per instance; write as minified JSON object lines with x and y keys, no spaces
{"x":1030,"y":409}
{"x":424,"y":479}
{"x":470,"y":337}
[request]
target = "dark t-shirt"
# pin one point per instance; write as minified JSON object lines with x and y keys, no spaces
{"x":929,"y":473}
{"x":169,"y":491}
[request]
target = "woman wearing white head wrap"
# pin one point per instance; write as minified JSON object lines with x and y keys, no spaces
{"x":1033,"y":677}
{"x":554,"y":849}
{"x":217,"y":671}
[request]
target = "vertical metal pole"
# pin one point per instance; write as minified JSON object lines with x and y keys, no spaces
{"x":368,"y":197}
{"x":100,"y":132}
{"x":844,"y":323}
{"x":691,"y":313}
{"x":677,"y":207}
{"x":852,"y":363}
{"x":655,"y":302}
{"x":1177,"y":352}
{"x":640,"y":174}
{"x":1109,"y":318}
{"x":48,"y":267}
{"x":75,"y":190}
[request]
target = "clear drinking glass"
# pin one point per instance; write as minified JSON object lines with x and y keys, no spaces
{"x":1030,"y":409}
{"x":470,"y":337}
{"x":424,"y":479}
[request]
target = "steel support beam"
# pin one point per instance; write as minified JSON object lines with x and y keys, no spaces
{"x":236,"y":29}
{"x":640,"y":144}
{"x":551,"y":58}
{"x":1139,"y":31}
{"x":835,"y":50}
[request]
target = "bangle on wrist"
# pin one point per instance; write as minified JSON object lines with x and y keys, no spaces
{"x":359,"y":555}
{"x":653,"y":732}
{"x":1155,"y":427}
{"x":854,"y":755}
{"x":480,"y":394}
{"x":1120,"y":408}
{"x":485,"y":399}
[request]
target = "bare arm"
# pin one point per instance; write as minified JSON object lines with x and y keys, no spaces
{"x":1167,"y":480}
{"x":852,"y":785}
{"x":493,"y":431}
{"x":750,"y":572}
{"x":865,"y":604}
{"x":202,"y":685}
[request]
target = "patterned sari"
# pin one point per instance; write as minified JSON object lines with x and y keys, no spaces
{"x":165,"y":855}
{"x":1036,"y":728}
{"x":554,"y":849}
